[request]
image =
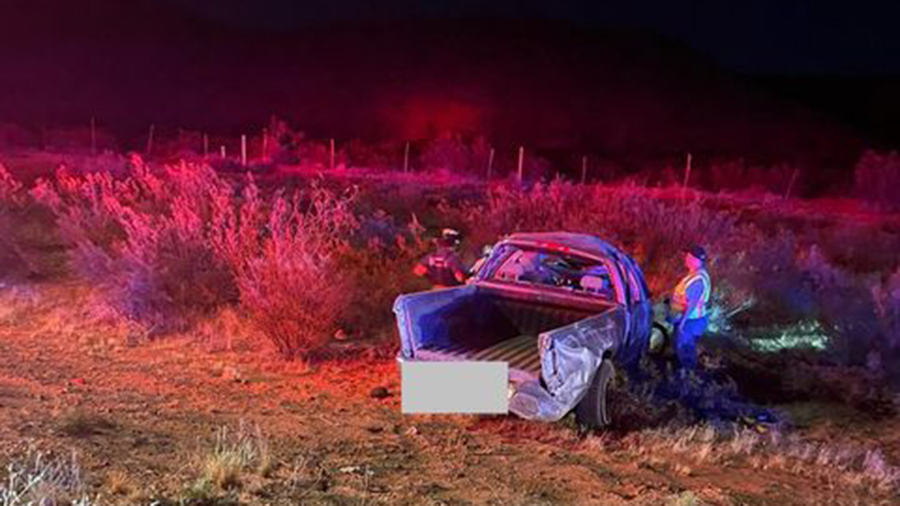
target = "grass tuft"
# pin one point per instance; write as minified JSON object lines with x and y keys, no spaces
{"x":234,"y":454}
{"x":40,"y":479}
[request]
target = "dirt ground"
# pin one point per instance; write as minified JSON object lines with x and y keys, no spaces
{"x":143,"y":416}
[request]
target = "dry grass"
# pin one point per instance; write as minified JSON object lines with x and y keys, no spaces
{"x":305,"y":476}
{"x":830,"y":463}
{"x":544,"y":491}
{"x":687,"y":498}
{"x":234,"y":454}
{"x":38,"y":478}
{"x":119,"y":483}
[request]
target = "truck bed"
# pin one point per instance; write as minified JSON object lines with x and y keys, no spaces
{"x":484,"y":324}
{"x":520,"y":352}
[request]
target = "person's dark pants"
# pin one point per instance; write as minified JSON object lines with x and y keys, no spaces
{"x":686,"y":342}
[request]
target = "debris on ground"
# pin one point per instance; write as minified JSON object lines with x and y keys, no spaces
{"x":380,"y":393}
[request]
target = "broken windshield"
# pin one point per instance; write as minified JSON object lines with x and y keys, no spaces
{"x":565,"y":271}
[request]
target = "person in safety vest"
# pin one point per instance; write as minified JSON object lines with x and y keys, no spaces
{"x":688,"y":307}
{"x":443,"y":268}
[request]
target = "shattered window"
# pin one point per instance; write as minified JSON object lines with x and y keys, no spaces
{"x":553,"y":269}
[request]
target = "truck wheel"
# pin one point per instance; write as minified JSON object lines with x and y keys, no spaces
{"x":593,"y":410}
{"x":659,"y":339}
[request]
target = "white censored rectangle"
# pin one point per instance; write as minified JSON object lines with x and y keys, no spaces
{"x":455,"y":387}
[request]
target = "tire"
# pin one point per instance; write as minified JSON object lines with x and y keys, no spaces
{"x":659,"y":339}
{"x":593,"y":410}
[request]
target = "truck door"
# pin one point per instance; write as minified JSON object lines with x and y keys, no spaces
{"x":641,"y":311}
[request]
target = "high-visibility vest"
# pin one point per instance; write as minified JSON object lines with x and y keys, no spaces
{"x":679,"y":297}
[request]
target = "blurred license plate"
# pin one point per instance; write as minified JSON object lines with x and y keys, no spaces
{"x":455,"y":387}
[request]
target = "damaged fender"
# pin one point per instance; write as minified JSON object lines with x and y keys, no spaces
{"x":570,"y":356}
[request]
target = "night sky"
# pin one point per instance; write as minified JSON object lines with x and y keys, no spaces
{"x":764,"y":36}
{"x":758,"y":36}
{"x":230,"y":63}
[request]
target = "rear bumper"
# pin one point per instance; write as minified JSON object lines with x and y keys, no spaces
{"x":528,"y":399}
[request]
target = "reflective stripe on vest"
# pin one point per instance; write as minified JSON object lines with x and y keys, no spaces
{"x":679,"y":298}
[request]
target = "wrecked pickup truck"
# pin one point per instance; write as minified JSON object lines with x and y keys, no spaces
{"x":560,"y":308}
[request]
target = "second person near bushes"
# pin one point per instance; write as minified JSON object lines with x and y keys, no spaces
{"x":444,"y":268}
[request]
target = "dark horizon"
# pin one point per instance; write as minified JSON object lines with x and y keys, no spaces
{"x":356,"y":71}
{"x":802,"y":37}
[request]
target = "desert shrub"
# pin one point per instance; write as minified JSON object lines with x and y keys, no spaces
{"x":314,"y":153}
{"x":652,"y":231}
{"x":537,"y":168}
{"x":380,"y":271}
{"x":142,"y":239}
{"x":78,"y":139}
{"x":185,"y":144}
{"x":656,"y":233}
{"x":886,"y":355}
{"x":795,"y":287}
{"x":10,"y":192}
{"x":10,"y":188}
{"x":507,"y":209}
{"x":107,"y":162}
{"x":14,"y":213}
{"x":740,"y":174}
{"x":877,"y":177}
{"x":382,"y":156}
{"x":480,"y":150}
{"x":888,"y":301}
{"x":15,"y":136}
{"x":763,"y":267}
{"x":843,"y":303}
{"x":284,"y":142}
{"x":448,"y":152}
{"x":857,"y":247}
{"x":283,"y":254}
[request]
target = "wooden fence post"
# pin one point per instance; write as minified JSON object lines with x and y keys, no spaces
{"x":331,"y":154}
{"x":244,"y":150}
{"x":406,"y":158}
{"x":205,"y":146}
{"x":490,"y":165}
{"x":687,"y":175}
{"x":93,"y":137}
{"x":521,"y":162}
{"x":790,"y":187}
{"x":222,"y":151}
{"x":265,"y":145}
{"x":583,"y":169}
{"x":150,"y":140}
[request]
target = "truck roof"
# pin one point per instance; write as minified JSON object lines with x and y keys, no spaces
{"x":584,"y":243}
